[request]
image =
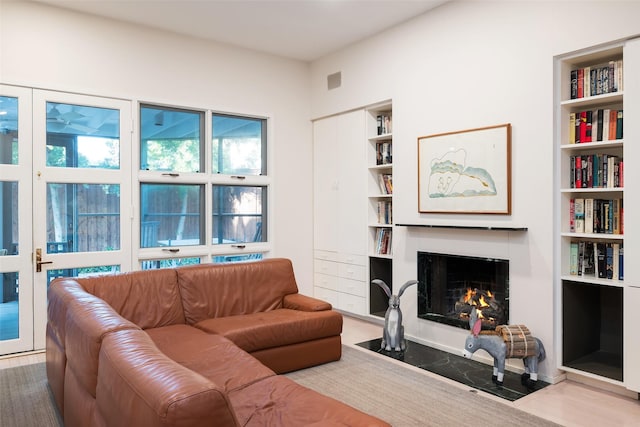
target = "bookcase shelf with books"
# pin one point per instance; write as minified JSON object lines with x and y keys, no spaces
{"x":590,"y":103}
{"x":380,"y":207}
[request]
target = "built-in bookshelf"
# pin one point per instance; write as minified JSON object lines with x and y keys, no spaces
{"x":591,"y":194}
{"x":380,"y":187}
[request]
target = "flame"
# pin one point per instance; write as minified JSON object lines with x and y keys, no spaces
{"x":482,"y":302}
{"x":468,"y":295}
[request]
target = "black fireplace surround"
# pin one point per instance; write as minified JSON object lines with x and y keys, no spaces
{"x":444,"y":280}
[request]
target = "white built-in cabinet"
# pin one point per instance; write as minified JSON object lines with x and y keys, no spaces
{"x":598,"y":316}
{"x":340,"y":212}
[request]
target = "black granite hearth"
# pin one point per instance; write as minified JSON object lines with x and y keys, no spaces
{"x":466,"y":371}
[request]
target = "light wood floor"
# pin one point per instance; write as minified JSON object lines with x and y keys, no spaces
{"x":567,"y":403}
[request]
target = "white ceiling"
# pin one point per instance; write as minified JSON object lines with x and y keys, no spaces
{"x":298,"y":29}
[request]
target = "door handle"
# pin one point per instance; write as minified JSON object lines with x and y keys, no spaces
{"x":39,"y":261}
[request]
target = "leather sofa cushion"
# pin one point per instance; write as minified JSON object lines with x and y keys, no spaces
{"x":213,"y":291}
{"x":149,"y":298}
{"x":212,"y":356}
{"x":279,"y":401}
{"x":274,"y":328}
{"x":140,"y":386}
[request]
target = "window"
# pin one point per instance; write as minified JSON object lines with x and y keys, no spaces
{"x":238,"y":145}
{"x":171,"y":215}
{"x":83,"y":217}
{"x":171,"y":139}
{"x":192,"y":209}
{"x":82,"y":137}
{"x":238,"y":214}
{"x":8,"y":130}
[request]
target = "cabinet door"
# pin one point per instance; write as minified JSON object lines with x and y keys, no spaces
{"x":352,"y":194}
{"x":325,"y":184}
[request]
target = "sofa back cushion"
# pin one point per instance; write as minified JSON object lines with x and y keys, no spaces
{"x":149,"y":298}
{"x":219,"y":290}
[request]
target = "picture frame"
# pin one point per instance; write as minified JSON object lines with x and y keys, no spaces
{"x":465,"y":172}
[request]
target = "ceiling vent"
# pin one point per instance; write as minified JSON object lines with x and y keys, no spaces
{"x":334,"y":80}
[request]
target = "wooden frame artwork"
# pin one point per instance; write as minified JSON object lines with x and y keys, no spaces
{"x":465,"y":172}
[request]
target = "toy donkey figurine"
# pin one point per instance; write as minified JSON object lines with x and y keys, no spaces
{"x":393,"y":333}
{"x":495,"y":345}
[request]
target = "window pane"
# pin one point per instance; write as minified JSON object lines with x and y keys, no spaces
{"x":8,"y":130}
{"x":239,"y":145}
{"x":226,"y":259}
{"x":82,"y":137}
{"x":83,"y":217}
{"x":169,"y":263}
{"x":10,"y":218}
{"x":170,"y":139}
{"x":103,"y":270}
{"x":9,"y":306}
{"x":238,"y":214}
{"x":171,"y":215}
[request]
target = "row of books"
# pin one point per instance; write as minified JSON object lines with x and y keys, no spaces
{"x":597,"y":260}
{"x":386,"y":183}
{"x":383,"y":241}
{"x":384,"y":212}
{"x":597,"y":80}
{"x":596,"y":171}
{"x":603,"y":124}
{"x":596,"y":216}
{"x":384,"y":153}
{"x":384,"y":124}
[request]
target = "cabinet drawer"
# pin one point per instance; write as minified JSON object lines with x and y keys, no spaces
{"x":326,"y":295}
{"x":326,"y":267}
{"x":325,"y":281}
{"x":353,"y":287}
{"x":352,"y":303}
{"x":352,"y":259}
{"x":326,"y":255}
{"x":354,"y":272}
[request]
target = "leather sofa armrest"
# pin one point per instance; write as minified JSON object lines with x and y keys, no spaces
{"x":305,"y":303}
{"x":139,"y":386}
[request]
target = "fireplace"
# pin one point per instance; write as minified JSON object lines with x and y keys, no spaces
{"x":449,"y":285}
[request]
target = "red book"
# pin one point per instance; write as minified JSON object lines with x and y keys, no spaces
{"x":583,"y":126}
{"x":580,"y":82}
{"x":578,"y":171}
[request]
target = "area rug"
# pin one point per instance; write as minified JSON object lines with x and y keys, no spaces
{"x":25,"y":400}
{"x":466,"y":371}
{"x":362,"y":379}
{"x":403,"y":397}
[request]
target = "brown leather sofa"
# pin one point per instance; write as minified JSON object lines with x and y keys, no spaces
{"x":192,"y":346}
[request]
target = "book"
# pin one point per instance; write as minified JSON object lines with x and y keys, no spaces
{"x":599,"y":123}
{"x":621,"y":263}
{"x":619,"y":125}
{"x":588,"y":267}
{"x":579,"y":215}
{"x":573,"y":259}
{"x":615,"y":270}
{"x":572,"y":128}
{"x":574,"y":84}
{"x":609,"y":261}
{"x":606,"y":115}
{"x":572,"y":215}
{"x":588,"y":215}
{"x":601,"y":256}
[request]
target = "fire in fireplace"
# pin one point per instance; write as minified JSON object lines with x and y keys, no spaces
{"x":449,"y":286}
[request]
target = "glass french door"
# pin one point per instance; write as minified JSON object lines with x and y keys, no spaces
{"x":16,"y":276}
{"x":77,"y":178}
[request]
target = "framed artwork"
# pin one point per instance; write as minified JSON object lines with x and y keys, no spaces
{"x":465,"y":172}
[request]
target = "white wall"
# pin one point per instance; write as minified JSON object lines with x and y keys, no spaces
{"x":54,"y":49}
{"x":466,"y":65}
